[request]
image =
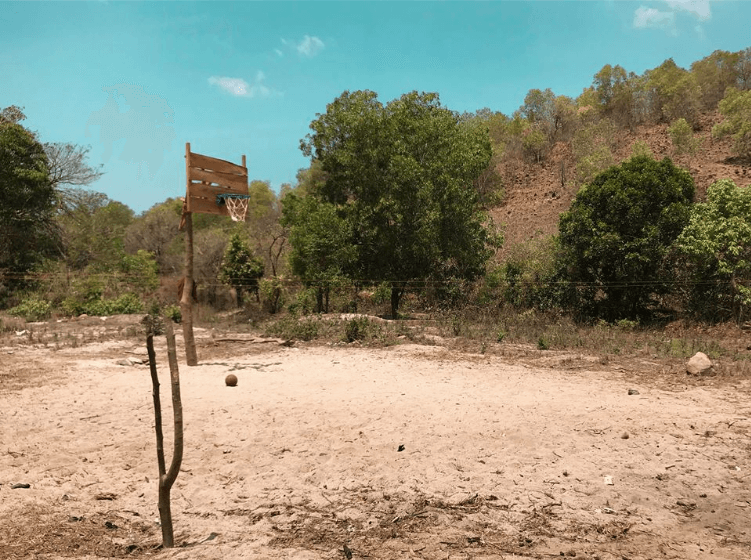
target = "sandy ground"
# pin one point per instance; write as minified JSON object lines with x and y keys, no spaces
{"x":404,"y":452}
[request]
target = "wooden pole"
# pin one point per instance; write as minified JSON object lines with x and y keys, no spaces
{"x":167,"y":477}
{"x":186,"y":302}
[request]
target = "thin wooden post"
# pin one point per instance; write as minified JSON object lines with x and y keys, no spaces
{"x":167,"y":477}
{"x":186,"y":302}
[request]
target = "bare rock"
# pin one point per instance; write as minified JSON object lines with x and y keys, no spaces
{"x":699,"y":364}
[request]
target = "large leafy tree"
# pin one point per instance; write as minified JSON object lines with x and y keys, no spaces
{"x":617,"y":234}
{"x":27,"y":230}
{"x":717,"y":241}
{"x":402,"y":175}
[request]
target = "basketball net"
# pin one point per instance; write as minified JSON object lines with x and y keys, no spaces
{"x":236,"y":208}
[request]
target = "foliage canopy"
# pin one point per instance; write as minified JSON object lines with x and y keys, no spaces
{"x":240,"y":269}
{"x":27,"y":230}
{"x":618,"y":231}
{"x":401,"y":175}
{"x":717,"y":240}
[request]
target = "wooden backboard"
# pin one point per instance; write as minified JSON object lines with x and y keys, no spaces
{"x":208,"y":177}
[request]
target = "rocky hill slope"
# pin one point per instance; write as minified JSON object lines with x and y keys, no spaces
{"x":536,"y":195}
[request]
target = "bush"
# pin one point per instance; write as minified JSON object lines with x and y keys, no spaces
{"x":530,"y":278}
{"x":360,"y":328}
{"x":272,"y":294}
{"x":292,"y":328}
{"x":32,"y":309}
{"x":174,"y":313}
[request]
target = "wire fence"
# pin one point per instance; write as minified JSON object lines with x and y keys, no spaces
{"x":409,"y":284}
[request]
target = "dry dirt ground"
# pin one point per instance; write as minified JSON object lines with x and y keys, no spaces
{"x":402,"y":452}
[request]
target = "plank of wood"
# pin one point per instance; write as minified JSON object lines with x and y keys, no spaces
{"x":232,"y":181}
{"x":200,"y":190}
{"x":215,"y":164}
{"x":199,"y":205}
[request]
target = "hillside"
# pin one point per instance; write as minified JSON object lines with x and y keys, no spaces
{"x":535,"y":197}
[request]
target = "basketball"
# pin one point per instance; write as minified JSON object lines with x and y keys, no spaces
{"x":231,"y":380}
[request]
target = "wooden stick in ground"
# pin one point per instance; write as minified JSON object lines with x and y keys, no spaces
{"x":186,"y":302}
{"x":167,"y":479}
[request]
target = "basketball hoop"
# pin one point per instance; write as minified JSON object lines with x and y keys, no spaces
{"x":237,"y":205}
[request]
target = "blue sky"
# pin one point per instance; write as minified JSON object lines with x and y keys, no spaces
{"x":137,"y":80}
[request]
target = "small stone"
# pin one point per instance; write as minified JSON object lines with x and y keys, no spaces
{"x":625,"y":435}
{"x":231,"y":380}
{"x":633,"y":392}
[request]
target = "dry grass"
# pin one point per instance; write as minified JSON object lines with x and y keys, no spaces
{"x":42,"y":530}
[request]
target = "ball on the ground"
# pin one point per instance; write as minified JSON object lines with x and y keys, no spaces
{"x":231,"y":380}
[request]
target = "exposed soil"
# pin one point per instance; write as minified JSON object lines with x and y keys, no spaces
{"x":404,"y":452}
{"x":536,"y":196}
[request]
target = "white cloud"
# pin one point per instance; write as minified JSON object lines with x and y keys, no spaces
{"x":700,"y":32}
{"x":698,"y":8}
{"x":240,"y":88}
{"x":310,"y":46}
{"x":658,"y":19}
{"x":235,"y":86}
{"x":650,"y":17}
{"x":279,"y":53}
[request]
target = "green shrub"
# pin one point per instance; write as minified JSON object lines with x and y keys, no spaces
{"x":293,"y":328}
{"x":305,"y":302}
{"x":174,"y":313}
{"x":543,"y":344}
{"x":32,"y":309}
{"x":360,"y":328}
{"x":272,"y":293}
{"x":126,"y":304}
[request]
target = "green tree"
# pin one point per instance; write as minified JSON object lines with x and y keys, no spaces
{"x":540,"y":111}
{"x":240,"y":269}
{"x":673,"y":93}
{"x":565,"y":118}
{"x":262,"y":200}
{"x":714,"y":74}
{"x":27,"y":229}
{"x":155,"y":230}
{"x":641,"y":148}
{"x":736,"y":108}
{"x":592,"y":147}
{"x":717,"y":240}
{"x":93,"y":230}
{"x":322,"y":253}
{"x":744,"y":69}
{"x":618,"y":231}
{"x":683,"y":139}
{"x":402,"y":176}
{"x":535,"y":143}
{"x":619,"y":95}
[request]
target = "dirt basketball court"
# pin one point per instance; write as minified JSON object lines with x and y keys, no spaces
{"x":340,"y":451}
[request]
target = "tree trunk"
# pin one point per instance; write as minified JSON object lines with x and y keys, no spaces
{"x":396,"y":296}
{"x":239,"y":292}
{"x":319,"y":299}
